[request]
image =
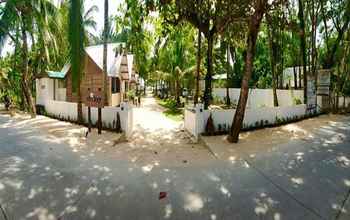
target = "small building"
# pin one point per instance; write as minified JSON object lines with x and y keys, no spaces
{"x":121,"y":77}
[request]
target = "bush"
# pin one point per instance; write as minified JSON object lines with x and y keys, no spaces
{"x":218,"y":100}
{"x":297,"y":101}
{"x":169,"y":103}
{"x":131,"y":94}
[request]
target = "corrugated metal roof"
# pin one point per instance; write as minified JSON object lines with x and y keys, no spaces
{"x":96,"y":54}
{"x":116,"y":66}
{"x":114,"y":71}
{"x":57,"y":75}
{"x":66,"y":68}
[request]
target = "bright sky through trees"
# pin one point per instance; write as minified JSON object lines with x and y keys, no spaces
{"x":113,"y":10}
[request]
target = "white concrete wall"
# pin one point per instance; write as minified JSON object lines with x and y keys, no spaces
{"x":68,"y":111}
{"x":109,"y":116}
{"x":63,"y":110}
{"x":116,"y":99}
{"x":190,"y":119}
{"x":196,"y":121}
{"x":341,"y":102}
{"x":61,"y":94}
{"x":44,"y":90}
{"x":130,"y":125}
{"x":259,"y":98}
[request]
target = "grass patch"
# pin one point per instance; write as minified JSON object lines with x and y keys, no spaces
{"x":172,"y":111}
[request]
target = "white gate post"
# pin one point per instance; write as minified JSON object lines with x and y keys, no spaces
{"x":199,"y":110}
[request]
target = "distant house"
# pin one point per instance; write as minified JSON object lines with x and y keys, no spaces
{"x":122,"y":77}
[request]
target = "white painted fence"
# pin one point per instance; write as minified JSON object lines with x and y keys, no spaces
{"x":63,"y":110}
{"x":191,"y":121}
{"x":344,"y":102}
{"x":68,"y":111}
{"x":259,"y":98}
{"x":196,"y":119}
{"x":109,"y":116}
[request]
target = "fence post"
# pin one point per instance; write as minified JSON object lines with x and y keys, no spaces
{"x":127,"y":118}
{"x":99,"y":121}
{"x":199,"y":108}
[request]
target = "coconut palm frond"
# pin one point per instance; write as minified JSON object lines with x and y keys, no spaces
{"x":8,"y":18}
{"x":90,"y":11}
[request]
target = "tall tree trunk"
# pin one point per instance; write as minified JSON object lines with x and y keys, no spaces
{"x":313,"y":38}
{"x":228,"y":67}
{"x":208,"y":77}
{"x":303,"y":46}
{"x":105,"y":41}
{"x":77,"y":53}
{"x":177,"y":87}
{"x":281,"y":51}
{"x":198,"y":71}
{"x":20,"y":93}
{"x":273,"y":60}
{"x":300,"y":76}
{"x":79,"y":98}
{"x":178,"y":91}
{"x":156,"y":92}
{"x":324,"y":19}
{"x":295,"y":77}
{"x":25,"y":85}
{"x":313,"y":43}
{"x":254,"y":27}
{"x":80,"y":107}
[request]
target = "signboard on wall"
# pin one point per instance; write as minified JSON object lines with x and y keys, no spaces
{"x":323,"y":82}
{"x":94,"y":99}
{"x":311,"y":94}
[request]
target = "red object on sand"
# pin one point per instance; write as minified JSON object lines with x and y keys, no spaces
{"x":162,"y":195}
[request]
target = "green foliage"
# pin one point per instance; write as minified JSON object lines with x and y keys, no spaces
{"x":218,"y":100}
{"x":131,"y":94}
{"x":163,"y":37}
{"x":76,"y":41}
{"x":23,"y":23}
{"x":297,"y":101}
{"x":172,"y":110}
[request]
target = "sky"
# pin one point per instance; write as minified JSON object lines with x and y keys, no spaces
{"x":99,"y":17}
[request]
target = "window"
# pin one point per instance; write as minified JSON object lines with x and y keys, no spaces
{"x":115,"y":85}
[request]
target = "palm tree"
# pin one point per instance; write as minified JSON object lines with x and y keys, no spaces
{"x":105,"y":41}
{"x":199,"y":57}
{"x":76,"y":40}
{"x":253,"y":30}
{"x":89,"y":22}
{"x":25,"y":18}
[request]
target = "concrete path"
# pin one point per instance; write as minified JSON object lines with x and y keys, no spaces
{"x":42,"y":177}
{"x":156,"y":138}
{"x":150,"y":118}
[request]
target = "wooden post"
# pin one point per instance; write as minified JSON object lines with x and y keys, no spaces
{"x":99,"y":121}
{"x":89,"y":118}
